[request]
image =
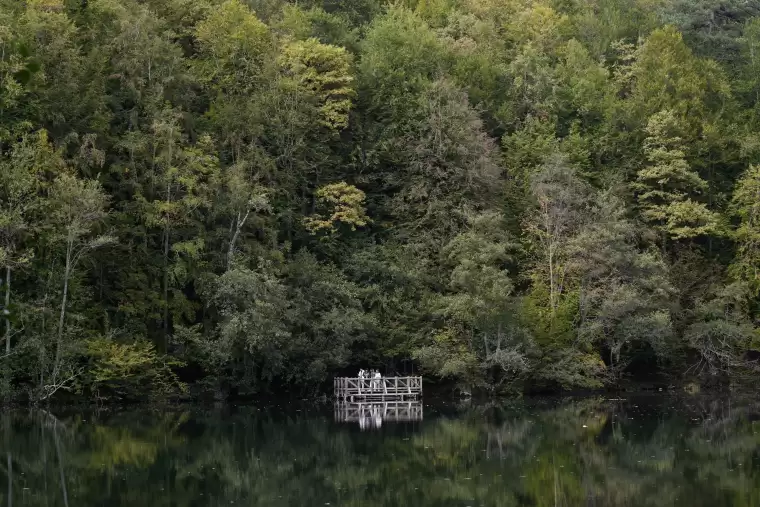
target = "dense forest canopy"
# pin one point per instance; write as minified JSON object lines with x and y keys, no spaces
{"x":238,"y":197}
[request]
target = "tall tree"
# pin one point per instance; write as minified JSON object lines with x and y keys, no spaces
{"x":746,"y":206}
{"x":666,"y":188}
{"x":77,"y":209}
{"x":20,"y":175}
{"x":177,"y":190}
{"x":562,"y":205}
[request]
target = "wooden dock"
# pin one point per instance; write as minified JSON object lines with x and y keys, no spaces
{"x":354,"y":389}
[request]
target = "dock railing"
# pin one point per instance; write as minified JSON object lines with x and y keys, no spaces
{"x":377,"y":389}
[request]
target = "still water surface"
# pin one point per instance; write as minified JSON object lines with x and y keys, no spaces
{"x":645,"y":451}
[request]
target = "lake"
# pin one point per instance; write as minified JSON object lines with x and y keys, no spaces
{"x":637,"y":451}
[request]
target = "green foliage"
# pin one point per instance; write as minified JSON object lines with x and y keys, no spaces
{"x":746,"y":206}
{"x":323,"y":71}
{"x":624,"y":293}
{"x":722,"y":334}
{"x":77,"y":207}
{"x":482,"y":339}
{"x":131,"y":370}
{"x":665,"y":74}
{"x":20,"y":181}
{"x":666,"y":185}
{"x":235,"y":48}
{"x":509,"y":194}
{"x":269,"y":320}
{"x":449,"y":163}
{"x":400,"y":56}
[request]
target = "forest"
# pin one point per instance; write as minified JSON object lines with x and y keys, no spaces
{"x":234,"y":198}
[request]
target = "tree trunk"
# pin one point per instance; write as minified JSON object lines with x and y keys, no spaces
{"x":551,"y":280}
{"x":43,"y":362}
{"x":7,"y":303}
{"x":165,"y":323}
{"x":239,"y":223}
{"x":62,"y":316}
{"x":231,"y":248}
{"x":612,"y":361}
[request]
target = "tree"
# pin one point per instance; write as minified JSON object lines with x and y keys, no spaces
{"x":748,"y":85}
{"x":400,"y":56}
{"x":64,"y":85}
{"x":20,"y":182}
{"x":562,"y":204}
{"x":722,"y":335}
{"x":746,"y":206}
{"x":77,"y":208}
{"x":235,"y":48}
{"x":482,"y":342}
{"x":124,"y":371}
{"x":624,"y":294}
{"x":444,"y":164}
{"x":562,"y":207}
{"x":322,"y":71}
{"x":17,"y":68}
{"x":664,"y":187}
{"x":665,"y":75}
{"x":178,"y":189}
{"x":328,"y":324}
{"x":298,"y":189}
{"x":239,"y":196}
{"x":712,"y":28}
{"x":343,"y":204}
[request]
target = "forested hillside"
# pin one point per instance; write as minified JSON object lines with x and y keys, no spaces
{"x":238,"y":197}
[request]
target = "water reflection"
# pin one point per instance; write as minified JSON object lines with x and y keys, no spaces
{"x":372,"y":415}
{"x":639,"y":452}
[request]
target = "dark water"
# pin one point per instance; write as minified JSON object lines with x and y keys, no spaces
{"x":656,"y":451}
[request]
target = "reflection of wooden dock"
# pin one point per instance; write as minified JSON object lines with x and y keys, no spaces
{"x":372,"y":415}
{"x":377,"y":390}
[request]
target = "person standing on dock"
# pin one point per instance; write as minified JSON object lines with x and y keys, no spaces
{"x":378,"y":380}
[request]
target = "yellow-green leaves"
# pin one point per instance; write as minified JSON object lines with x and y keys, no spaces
{"x":539,"y":25}
{"x":343,"y":204}
{"x":666,"y":75}
{"x":126,"y":369}
{"x":20,"y":181}
{"x":235,"y":47}
{"x":585,"y":81}
{"x":401,"y":54}
{"x":665,"y":186}
{"x":323,"y":72}
{"x":689,"y":219}
{"x":77,"y":206}
{"x":46,"y":5}
{"x":746,"y":206}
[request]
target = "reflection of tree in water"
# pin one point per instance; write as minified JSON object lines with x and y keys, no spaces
{"x":589,"y":452}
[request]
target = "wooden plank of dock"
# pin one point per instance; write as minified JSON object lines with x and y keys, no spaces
{"x":357,"y":389}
